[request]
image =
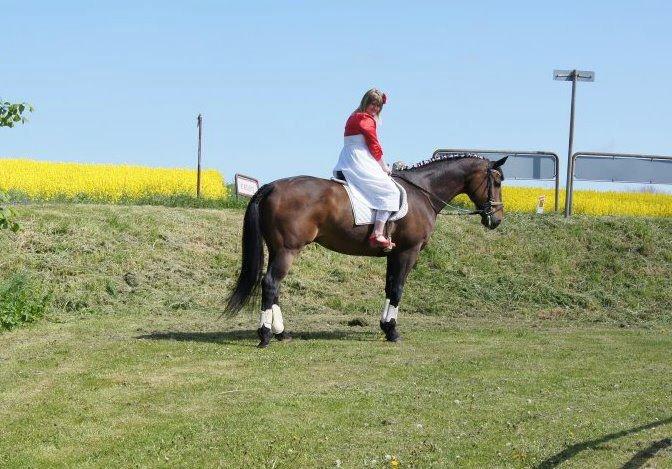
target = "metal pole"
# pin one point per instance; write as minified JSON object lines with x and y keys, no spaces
{"x":570,"y":166}
{"x":557,"y":186}
{"x":199,"y":121}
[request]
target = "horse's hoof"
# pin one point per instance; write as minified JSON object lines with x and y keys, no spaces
{"x":264,"y":334}
{"x":390,"y":330}
{"x":284,"y":336}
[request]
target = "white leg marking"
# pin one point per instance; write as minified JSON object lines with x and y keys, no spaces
{"x":392,"y":312}
{"x":266,"y":318}
{"x":278,"y":324}
{"x":383,"y":315}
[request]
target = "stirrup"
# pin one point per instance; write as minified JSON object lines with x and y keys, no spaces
{"x":387,"y":245}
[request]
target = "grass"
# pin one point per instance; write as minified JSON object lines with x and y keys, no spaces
{"x":182,"y":390}
{"x":543,"y":342}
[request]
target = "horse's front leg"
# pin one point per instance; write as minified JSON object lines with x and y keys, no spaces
{"x":398,"y":266}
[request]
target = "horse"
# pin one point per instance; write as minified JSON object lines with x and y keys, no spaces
{"x":288,"y":214}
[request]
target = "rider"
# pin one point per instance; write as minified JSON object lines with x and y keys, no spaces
{"x":361,"y":163}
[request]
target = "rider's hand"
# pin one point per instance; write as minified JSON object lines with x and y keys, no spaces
{"x":385,"y":167}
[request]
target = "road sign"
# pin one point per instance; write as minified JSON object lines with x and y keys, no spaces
{"x":573,"y":76}
{"x":246,"y":186}
{"x":623,"y":167}
{"x":568,"y":75}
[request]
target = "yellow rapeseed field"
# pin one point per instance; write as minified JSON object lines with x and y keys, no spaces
{"x":49,"y":180}
{"x":524,"y":199}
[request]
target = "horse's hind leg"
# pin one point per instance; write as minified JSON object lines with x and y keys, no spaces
{"x":271,"y":321}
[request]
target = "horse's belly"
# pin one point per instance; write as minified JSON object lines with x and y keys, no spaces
{"x":347,"y":238}
{"x":352,"y":248}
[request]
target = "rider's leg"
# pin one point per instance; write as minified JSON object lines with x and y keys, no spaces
{"x":379,"y":223}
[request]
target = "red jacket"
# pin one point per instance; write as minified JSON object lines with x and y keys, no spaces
{"x":364,"y":124}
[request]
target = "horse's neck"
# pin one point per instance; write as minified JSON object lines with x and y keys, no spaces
{"x":446,"y":179}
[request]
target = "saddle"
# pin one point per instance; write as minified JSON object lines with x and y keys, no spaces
{"x":365,"y":215}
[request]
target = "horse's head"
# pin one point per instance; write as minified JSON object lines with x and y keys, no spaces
{"x":484,"y":188}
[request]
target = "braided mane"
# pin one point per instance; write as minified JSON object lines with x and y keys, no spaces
{"x":436,"y":158}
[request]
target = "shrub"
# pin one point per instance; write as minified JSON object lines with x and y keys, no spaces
{"x":21,"y":301}
{"x":7,"y":215}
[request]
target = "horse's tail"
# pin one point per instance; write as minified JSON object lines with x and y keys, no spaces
{"x":253,"y":254}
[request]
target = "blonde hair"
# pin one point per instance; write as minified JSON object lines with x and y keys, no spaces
{"x":373,"y":96}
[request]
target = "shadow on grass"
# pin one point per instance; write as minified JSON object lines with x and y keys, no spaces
{"x":640,"y":458}
{"x":230,"y":337}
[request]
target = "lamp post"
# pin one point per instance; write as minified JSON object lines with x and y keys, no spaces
{"x":573,"y":76}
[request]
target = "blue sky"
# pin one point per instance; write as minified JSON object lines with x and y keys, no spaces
{"x":275,"y":81}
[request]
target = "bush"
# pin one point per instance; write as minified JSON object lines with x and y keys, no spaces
{"x":21,"y":301}
{"x":7,"y":215}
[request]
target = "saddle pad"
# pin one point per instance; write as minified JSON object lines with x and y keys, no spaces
{"x":365,"y":215}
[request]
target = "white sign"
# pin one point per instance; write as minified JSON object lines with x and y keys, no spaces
{"x":540,"y":204}
{"x":246,"y":185}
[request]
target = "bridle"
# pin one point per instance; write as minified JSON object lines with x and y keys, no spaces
{"x":490,"y":206}
{"x":486,"y":210}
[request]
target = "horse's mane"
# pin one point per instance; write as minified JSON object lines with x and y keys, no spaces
{"x":400,"y":166}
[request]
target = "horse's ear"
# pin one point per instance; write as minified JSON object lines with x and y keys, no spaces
{"x":499,"y":163}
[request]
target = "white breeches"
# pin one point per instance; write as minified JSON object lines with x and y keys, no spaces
{"x":382,"y":215}
{"x":272,"y":319}
{"x":367,"y":180}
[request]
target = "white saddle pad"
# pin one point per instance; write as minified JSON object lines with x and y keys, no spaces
{"x":365,"y":215}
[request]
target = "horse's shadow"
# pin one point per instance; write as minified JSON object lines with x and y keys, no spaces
{"x":638,"y":459}
{"x":237,"y":336}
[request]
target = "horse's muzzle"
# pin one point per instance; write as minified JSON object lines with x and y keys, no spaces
{"x":490,"y":221}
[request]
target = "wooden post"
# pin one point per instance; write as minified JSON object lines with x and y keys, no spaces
{"x":199,"y":121}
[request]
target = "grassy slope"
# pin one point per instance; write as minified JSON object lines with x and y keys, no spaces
{"x":519,"y":374}
{"x":615,"y":270}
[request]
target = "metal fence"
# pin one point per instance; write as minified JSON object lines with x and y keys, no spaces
{"x":521,"y":165}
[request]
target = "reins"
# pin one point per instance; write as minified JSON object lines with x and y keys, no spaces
{"x":460,"y":210}
{"x":486,"y":209}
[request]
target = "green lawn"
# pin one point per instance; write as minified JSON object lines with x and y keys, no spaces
{"x":186,"y":390}
{"x":546,"y":342}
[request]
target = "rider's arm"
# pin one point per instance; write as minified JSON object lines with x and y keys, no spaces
{"x":367,"y":125}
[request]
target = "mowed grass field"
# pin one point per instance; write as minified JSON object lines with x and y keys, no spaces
{"x":543,"y":343}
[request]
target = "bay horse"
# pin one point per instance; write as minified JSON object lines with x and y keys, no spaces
{"x":290,"y":213}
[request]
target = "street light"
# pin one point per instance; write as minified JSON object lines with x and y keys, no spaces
{"x":573,"y":76}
